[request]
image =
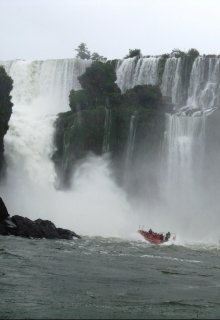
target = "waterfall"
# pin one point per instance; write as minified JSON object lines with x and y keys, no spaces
{"x":204,"y":79}
{"x":45,"y":85}
{"x":184,"y":141}
{"x":171,"y":85}
{"x":130,"y":148}
{"x":107,"y":130}
{"x":132,"y":72}
{"x":182,"y":177}
{"x":40,"y":91}
{"x":204,"y":83}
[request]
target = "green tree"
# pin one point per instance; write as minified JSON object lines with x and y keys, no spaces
{"x":177,"y":53}
{"x":193,"y":53}
{"x":143,"y":96}
{"x":99,"y":83}
{"x":97,"y":57}
{"x":78,"y":100}
{"x":134,"y":53}
{"x":83,"y":52}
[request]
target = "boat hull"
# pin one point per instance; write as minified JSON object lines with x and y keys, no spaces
{"x":152,"y":238}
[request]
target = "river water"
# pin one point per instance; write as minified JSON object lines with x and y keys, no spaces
{"x":104,"y":278}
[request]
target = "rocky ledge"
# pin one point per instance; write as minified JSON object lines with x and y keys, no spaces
{"x":24,"y":227}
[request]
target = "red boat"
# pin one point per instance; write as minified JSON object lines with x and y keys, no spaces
{"x":154,"y":237}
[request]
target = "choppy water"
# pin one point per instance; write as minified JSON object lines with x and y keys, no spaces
{"x":107,"y":278}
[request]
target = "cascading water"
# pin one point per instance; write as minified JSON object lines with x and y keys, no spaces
{"x":130,"y":149}
{"x":205,"y":83}
{"x":204,"y":79}
{"x":107,"y":128}
{"x":184,"y":139}
{"x":132,"y":72}
{"x":41,"y":90}
{"x":182,"y":172}
{"x":171,"y":80}
{"x":185,"y":197}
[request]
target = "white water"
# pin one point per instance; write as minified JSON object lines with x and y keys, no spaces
{"x":171,"y":82}
{"x":96,"y":205}
{"x":204,"y":79}
{"x":130,"y":150}
{"x":182,"y":171}
{"x":186,"y":206}
{"x":132,"y":72}
{"x":204,"y":83}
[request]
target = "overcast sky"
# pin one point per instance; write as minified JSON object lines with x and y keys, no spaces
{"x":44,"y":29}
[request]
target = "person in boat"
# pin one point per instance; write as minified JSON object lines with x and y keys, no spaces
{"x":167,"y":237}
{"x":150,"y":231}
{"x":161,"y":237}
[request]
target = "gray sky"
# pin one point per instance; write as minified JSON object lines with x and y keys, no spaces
{"x":44,"y":29}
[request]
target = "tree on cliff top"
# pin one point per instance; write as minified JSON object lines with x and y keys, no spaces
{"x":143,"y":96}
{"x":134,"y":53}
{"x":99,"y":82}
{"x":83,"y":52}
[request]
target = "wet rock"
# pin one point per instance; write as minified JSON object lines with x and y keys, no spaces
{"x":67,"y":234}
{"x":3,"y":211}
{"x":24,"y":227}
{"x":3,"y":229}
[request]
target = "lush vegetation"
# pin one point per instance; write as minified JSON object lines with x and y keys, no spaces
{"x":82,"y":130}
{"x":134,"y":53}
{"x":84,"y":53}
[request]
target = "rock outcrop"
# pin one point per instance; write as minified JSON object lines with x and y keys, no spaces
{"x":5,"y":111}
{"x":24,"y":227}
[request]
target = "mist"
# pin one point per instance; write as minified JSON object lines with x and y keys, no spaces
{"x":177,"y":188}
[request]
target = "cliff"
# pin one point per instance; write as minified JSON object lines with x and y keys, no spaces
{"x":5,"y":110}
{"x":130,"y":126}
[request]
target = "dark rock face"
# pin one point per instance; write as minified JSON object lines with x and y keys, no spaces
{"x":3,"y":211}
{"x":24,"y":227}
{"x":3,"y":229}
{"x":5,"y":111}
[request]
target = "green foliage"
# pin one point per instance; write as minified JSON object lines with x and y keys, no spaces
{"x":165,"y":56}
{"x":96,"y":57}
{"x":99,"y":83}
{"x":79,"y":133}
{"x":78,"y":100}
{"x":74,"y":138}
{"x":83,"y":52}
{"x":161,"y":67}
{"x":145,"y":96}
{"x":177,"y":53}
{"x":134,"y":53}
{"x":193,"y":53}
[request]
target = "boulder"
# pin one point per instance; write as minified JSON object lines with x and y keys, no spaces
{"x":67,"y":234}
{"x":24,"y":227}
